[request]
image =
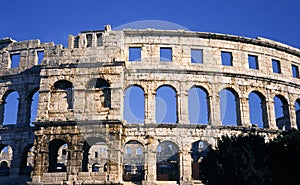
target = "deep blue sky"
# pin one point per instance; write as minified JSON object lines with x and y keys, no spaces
{"x":54,"y":20}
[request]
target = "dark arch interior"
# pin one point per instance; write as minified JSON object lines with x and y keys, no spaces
{"x":54,"y":165}
{"x":63,"y":85}
{"x":282,"y":112}
{"x":167,"y":161}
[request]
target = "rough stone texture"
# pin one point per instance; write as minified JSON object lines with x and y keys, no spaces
{"x":79,"y":111}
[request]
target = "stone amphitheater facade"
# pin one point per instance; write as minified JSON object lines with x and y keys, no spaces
{"x":80,"y":135}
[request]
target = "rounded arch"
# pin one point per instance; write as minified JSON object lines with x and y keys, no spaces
{"x":167,"y":159}
{"x":282,"y":113}
{"x":258,"y":109}
{"x":133,"y":161}
{"x":95,"y":150}
{"x":27,"y":160}
{"x":134,"y":104}
{"x":101,"y":92}
{"x":96,"y":167}
{"x":58,"y":155}
{"x":230,"y":107}
{"x":10,"y":109}
{"x":166,"y":104}
{"x":62,"y":85}
{"x":62,"y":95}
{"x":98,"y":83}
{"x":297,"y":111}
{"x":198,"y":105}
{"x":6,"y":156}
{"x":200,"y":149}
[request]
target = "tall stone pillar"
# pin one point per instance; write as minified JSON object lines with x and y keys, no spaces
{"x":23,"y":109}
{"x":150,"y":161}
{"x":115,"y":163}
{"x":76,"y":154}
{"x":16,"y":160}
{"x":183,"y":108}
{"x":150,"y":107}
{"x":214,"y":106}
{"x":186,"y":166}
{"x":293,"y":116}
{"x":40,"y":157}
{"x":245,"y":111}
{"x":271,"y":113}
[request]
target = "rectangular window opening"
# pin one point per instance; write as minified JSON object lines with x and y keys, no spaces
{"x":295,"y":71}
{"x":76,"y":42}
{"x":276,"y":66}
{"x":40,"y":56}
{"x":128,"y":151}
{"x":139,"y":151}
{"x":15,"y":60}
{"x":89,"y":38}
{"x":226,"y":58}
{"x":99,"y":39}
{"x":64,"y":152}
{"x":135,"y":54}
{"x":253,"y":62}
{"x":197,"y":56}
{"x":166,"y":54}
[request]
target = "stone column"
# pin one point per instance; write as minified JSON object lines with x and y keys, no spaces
{"x":16,"y":160}
{"x":150,"y":106}
{"x":244,"y":111}
{"x":71,"y":41}
{"x":186,"y":166}
{"x":75,"y":162}
{"x":293,"y":116}
{"x":214,"y":105}
{"x":150,"y":161}
{"x":183,"y":108}
{"x":115,"y":164}
{"x":271,"y":113}
{"x":24,"y":109}
{"x":40,"y":157}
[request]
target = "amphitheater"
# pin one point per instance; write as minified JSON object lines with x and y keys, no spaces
{"x":86,"y":130}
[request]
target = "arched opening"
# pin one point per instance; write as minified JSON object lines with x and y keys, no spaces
{"x":166,"y":105}
{"x":200,"y":149}
{"x":34,"y":107}
{"x":167,"y":160}
{"x":11,"y":104}
{"x":258,"y":109}
{"x":134,"y":104}
{"x":297,"y":110}
{"x":6,"y":156}
{"x":96,"y":167}
{"x":95,"y":155}
{"x":229,"y":107}
{"x":58,"y":156}
{"x":198,"y":105}
{"x":62,"y":96}
{"x":282,"y":113}
{"x":27,"y":161}
{"x":101,"y":92}
{"x":134,"y":160}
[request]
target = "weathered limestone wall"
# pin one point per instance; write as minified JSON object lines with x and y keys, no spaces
{"x":81,"y":99}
